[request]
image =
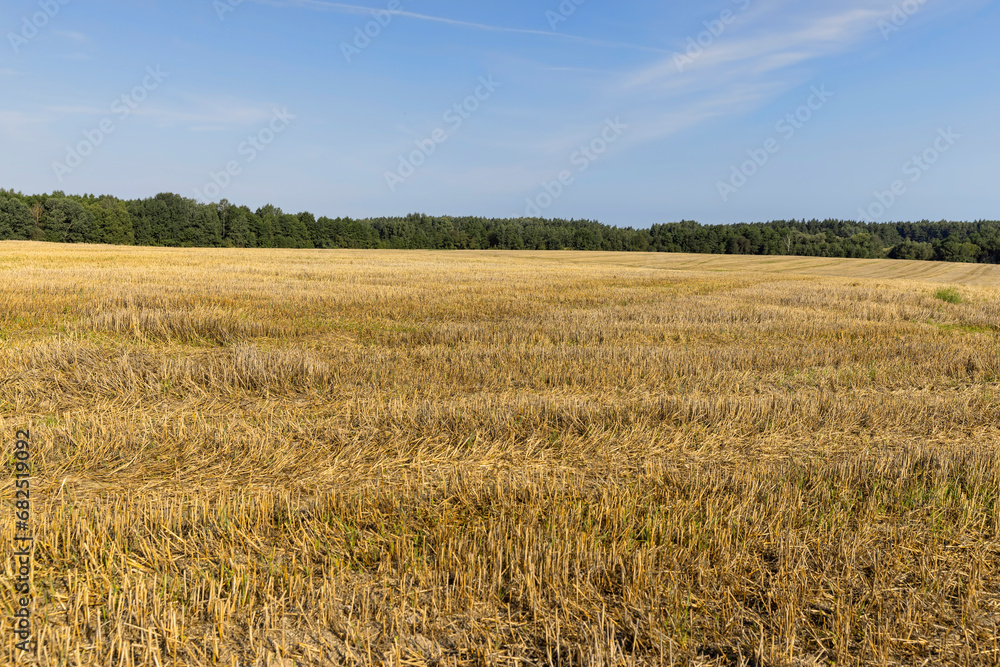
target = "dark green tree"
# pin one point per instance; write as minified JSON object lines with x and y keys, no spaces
{"x":112,"y":221}
{"x":912,"y":250}
{"x":67,"y":221}
{"x":15,"y":218}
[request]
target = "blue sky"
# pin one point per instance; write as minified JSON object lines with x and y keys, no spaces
{"x":632,"y":113}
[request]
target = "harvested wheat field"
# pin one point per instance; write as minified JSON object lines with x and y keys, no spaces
{"x":497,"y":458}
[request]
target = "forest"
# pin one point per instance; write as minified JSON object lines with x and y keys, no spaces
{"x":172,"y":220}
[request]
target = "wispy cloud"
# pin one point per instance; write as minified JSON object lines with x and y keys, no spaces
{"x":762,"y":55}
{"x":72,"y":35}
{"x":651,"y":125}
{"x":16,"y":124}
{"x":197,"y":115}
{"x":366,"y":11}
{"x":75,"y":110}
{"x":210,"y":117}
{"x":765,"y":52}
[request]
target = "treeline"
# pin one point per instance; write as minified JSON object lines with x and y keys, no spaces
{"x":171,"y":220}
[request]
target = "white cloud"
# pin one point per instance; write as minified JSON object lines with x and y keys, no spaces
{"x":765,"y":52}
{"x":367,"y":11}
{"x":760,"y":56}
{"x":16,"y":124}
{"x":218,"y":117}
{"x":77,"y":110}
{"x":72,"y":35}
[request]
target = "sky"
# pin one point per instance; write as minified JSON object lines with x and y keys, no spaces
{"x":632,"y":113}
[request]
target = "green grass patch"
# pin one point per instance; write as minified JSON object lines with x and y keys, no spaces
{"x":967,"y":328}
{"x":950,"y":294}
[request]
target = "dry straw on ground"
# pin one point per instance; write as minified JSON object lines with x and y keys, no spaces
{"x":418,"y":458}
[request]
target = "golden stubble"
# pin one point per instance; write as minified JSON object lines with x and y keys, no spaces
{"x":498,"y":458}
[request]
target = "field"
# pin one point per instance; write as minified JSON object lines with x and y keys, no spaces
{"x":485,"y":458}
